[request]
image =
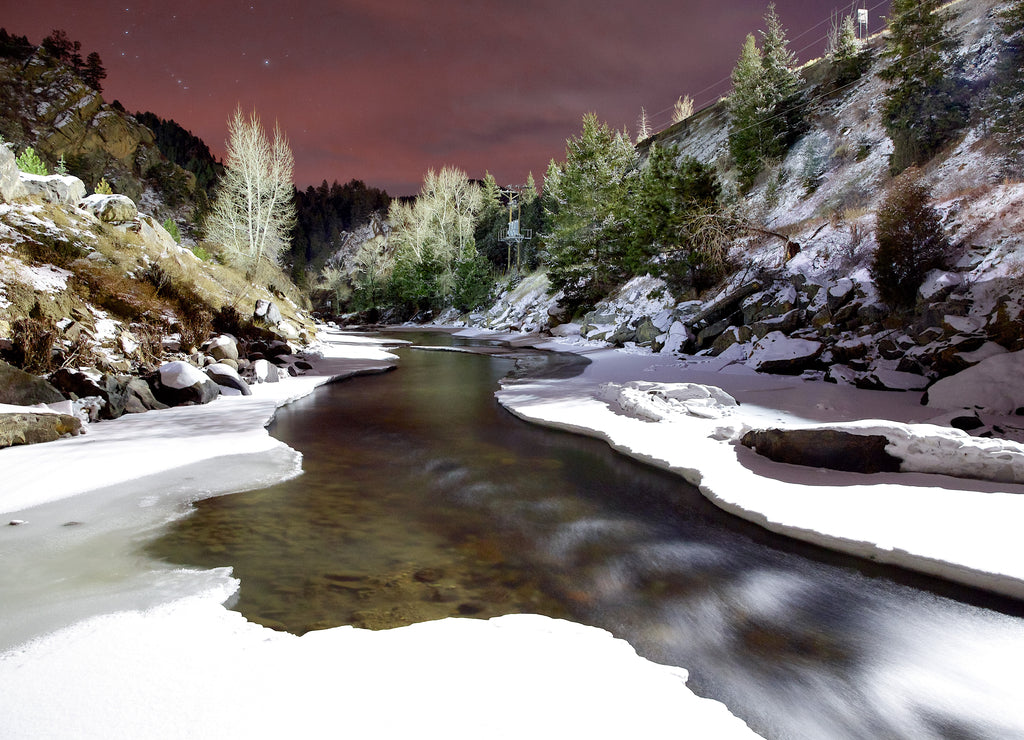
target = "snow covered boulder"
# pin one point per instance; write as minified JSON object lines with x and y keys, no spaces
{"x":62,"y":190}
{"x":112,"y":209}
{"x":657,"y":401}
{"x":264,"y":372}
{"x":11,"y":187}
{"x":226,"y":377}
{"x":779,"y":354}
{"x":992,"y":385}
{"x":180,"y":384}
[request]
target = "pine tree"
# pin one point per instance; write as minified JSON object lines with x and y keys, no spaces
{"x":30,"y":162}
{"x":583,"y":196}
{"x":746,"y":108}
{"x":911,"y":241}
{"x":1005,"y":100}
{"x":845,"y":53}
{"x":94,"y":73}
{"x":923,"y":106}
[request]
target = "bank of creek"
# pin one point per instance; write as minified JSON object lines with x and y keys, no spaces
{"x":421,"y":498}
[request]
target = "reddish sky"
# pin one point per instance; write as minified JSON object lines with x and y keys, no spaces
{"x":381,"y":90}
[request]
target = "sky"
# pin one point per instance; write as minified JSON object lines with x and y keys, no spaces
{"x":382,"y":90}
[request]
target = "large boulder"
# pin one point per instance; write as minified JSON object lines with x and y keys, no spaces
{"x":32,"y":428}
{"x":993,"y":385}
{"x":113,"y":209}
{"x":181,"y":384}
{"x":19,"y":388}
{"x":63,"y":190}
{"x":11,"y":186}
{"x":824,"y":448}
{"x":267,"y":312}
{"x":223,"y":347}
{"x":76,"y":384}
{"x":264,"y":372}
{"x":140,"y":397}
{"x":777,"y":353}
{"x":226,"y":376}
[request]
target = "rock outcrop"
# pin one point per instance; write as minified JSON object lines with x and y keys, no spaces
{"x":19,"y":388}
{"x":11,"y":186}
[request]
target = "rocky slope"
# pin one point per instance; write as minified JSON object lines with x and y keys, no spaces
{"x":812,"y":309}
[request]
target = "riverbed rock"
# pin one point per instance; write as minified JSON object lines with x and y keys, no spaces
{"x":140,"y":397}
{"x":264,"y":371}
{"x":77,"y":384}
{"x":181,"y":384}
{"x":33,"y":428}
{"x":226,"y":376}
{"x":19,"y":388}
{"x":222,"y":347}
{"x":779,"y":354}
{"x":824,"y":448}
{"x":267,"y":312}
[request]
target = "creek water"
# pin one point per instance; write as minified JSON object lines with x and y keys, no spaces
{"x":423,"y":499}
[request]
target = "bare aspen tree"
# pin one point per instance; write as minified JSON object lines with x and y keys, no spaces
{"x":254,"y":210}
{"x":683,"y":109}
{"x":643,"y":127}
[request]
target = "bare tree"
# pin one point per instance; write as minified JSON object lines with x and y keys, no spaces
{"x":683,"y":109}
{"x":254,"y":210}
{"x":643,"y":127}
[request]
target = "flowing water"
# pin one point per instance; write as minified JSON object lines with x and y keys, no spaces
{"x":423,"y":499}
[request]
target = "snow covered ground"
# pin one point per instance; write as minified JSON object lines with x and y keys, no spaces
{"x":960,"y":528}
{"x":100,"y":641}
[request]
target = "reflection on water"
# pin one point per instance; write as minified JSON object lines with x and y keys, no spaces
{"x":423,"y":499}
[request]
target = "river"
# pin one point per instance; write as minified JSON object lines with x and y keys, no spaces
{"x":423,"y":499}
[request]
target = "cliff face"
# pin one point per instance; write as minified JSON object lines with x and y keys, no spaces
{"x":46,"y":106}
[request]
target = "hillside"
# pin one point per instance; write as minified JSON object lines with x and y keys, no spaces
{"x":802,"y":300}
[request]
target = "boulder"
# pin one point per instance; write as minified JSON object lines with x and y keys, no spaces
{"x":113,"y":209}
{"x":777,"y":353}
{"x":226,"y":376}
{"x":76,"y":384}
{"x":264,"y":372}
{"x":223,"y":347}
{"x":19,"y":388}
{"x":32,"y":428}
{"x":62,"y":190}
{"x":824,"y":448}
{"x":267,"y":312}
{"x":181,"y":384}
{"x":993,"y":385}
{"x":11,"y":186}
{"x":277,"y":347}
{"x":140,"y":397}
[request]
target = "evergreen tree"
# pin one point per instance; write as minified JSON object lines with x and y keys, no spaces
{"x":911,"y":241}
{"x":30,"y":162}
{"x":93,"y":74}
{"x":848,"y":59}
{"x":746,"y":108}
{"x":923,"y":106}
{"x":767,"y":113}
{"x":1005,"y":101}
{"x":583,"y":199}
{"x":59,"y":46}
{"x":670,"y":196}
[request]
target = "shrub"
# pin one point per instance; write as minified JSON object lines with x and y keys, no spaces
{"x":103,"y":187}
{"x":33,"y":341}
{"x":172,"y":229}
{"x":911,"y":241}
{"x":30,"y":162}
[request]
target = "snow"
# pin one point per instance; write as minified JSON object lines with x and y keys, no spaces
{"x":97,"y":641}
{"x":180,"y":374}
{"x":992,"y":385}
{"x":965,"y":528}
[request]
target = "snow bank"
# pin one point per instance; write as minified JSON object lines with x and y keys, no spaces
{"x":963,"y":530}
{"x":192,"y":668}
